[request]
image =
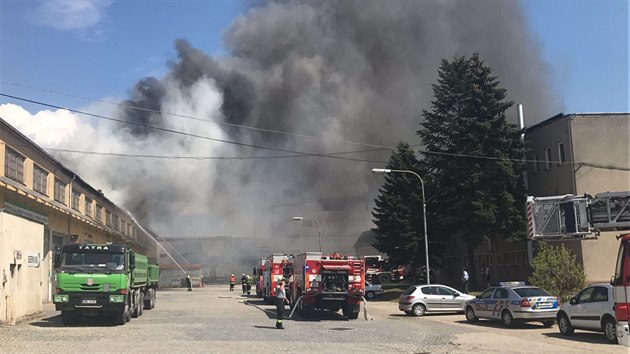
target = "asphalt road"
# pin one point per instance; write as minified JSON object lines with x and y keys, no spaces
{"x":212,"y":319}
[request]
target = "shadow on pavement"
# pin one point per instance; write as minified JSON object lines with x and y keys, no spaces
{"x":317,"y":316}
{"x":500,"y":325}
{"x":265,"y":327}
{"x":584,"y":337}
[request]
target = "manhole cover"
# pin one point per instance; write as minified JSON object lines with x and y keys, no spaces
{"x":341,"y":329}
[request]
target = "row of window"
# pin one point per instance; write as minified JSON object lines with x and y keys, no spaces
{"x":549,"y":158}
{"x":14,"y":169}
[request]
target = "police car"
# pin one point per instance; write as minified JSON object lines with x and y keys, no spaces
{"x":513,"y":302}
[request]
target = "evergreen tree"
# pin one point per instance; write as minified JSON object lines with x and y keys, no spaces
{"x":398,"y":212}
{"x":481,"y":196}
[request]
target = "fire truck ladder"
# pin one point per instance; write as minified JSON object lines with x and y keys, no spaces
{"x":577,"y":217}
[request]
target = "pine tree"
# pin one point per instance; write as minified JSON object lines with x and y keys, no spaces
{"x":398,"y":212}
{"x":475,"y":197}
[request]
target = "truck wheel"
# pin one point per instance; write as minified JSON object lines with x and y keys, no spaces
{"x":68,"y":317}
{"x":134,"y":306}
{"x":153,"y":298}
{"x":140,"y":304}
{"x":610,"y":331}
{"x":351,"y":315}
{"x":120,"y":317}
{"x":383,"y":278}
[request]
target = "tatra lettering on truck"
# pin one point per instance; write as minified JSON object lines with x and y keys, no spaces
{"x":104,"y":280}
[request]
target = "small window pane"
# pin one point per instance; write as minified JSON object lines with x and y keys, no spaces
{"x":548,"y":156}
{"x":561,"y":157}
{"x":14,"y":165}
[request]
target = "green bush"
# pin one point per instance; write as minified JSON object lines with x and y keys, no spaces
{"x":557,"y":271}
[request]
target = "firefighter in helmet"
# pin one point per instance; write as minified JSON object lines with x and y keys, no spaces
{"x":244,"y":283}
{"x":232,"y":282}
{"x":281,"y":299}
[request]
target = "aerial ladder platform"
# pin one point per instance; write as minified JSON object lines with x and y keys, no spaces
{"x":577,"y":217}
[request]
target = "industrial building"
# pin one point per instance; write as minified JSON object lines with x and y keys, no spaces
{"x":582,"y":153}
{"x":44,"y":205}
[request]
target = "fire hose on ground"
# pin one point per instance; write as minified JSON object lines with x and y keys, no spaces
{"x":365,"y":309}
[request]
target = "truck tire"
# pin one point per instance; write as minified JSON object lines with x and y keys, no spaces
{"x":134,"y":305}
{"x":140,"y":303}
{"x":149,"y":299}
{"x":347,"y":313}
{"x":383,"y":278}
{"x":68,"y":317}
{"x":120,"y":317}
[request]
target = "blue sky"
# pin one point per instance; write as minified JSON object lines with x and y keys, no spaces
{"x":99,"y":49}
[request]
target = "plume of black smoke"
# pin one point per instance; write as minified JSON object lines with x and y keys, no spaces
{"x":342,"y":70}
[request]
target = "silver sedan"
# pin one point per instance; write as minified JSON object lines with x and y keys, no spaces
{"x":419,"y":299}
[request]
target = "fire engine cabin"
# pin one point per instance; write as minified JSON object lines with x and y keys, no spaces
{"x":328,"y":283}
{"x":277,"y":266}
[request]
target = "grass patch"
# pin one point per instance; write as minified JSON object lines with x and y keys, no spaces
{"x":393,"y":291}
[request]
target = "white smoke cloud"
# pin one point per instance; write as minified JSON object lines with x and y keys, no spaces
{"x":183,"y":183}
{"x":71,"y":15}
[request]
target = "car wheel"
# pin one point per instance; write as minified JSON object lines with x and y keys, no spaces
{"x":409,"y":313}
{"x":566,"y":329}
{"x":548,"y":323}
{"x":508,"y":319}
{"x":370,"y":295}
{"x":610,"y":330}
{"x":418,"y":309}
{"x":470,"y":315}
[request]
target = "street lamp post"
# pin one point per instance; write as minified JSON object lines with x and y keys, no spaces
{"x":319,"y":227}
{"x":424,"y":211}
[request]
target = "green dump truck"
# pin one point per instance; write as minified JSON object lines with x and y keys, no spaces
{"x":103,"y":280}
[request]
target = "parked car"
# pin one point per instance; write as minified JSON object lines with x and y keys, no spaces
{"x":592,"y":310}
{"x":420,"y":299}
{"x":373,"y":290}
{"x":512,"y":304}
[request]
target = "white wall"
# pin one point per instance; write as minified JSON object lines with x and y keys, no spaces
{"x":20,"y":286}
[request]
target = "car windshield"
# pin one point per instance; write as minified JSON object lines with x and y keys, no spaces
{"x":113,"y":261}
{"x":529,"y":292}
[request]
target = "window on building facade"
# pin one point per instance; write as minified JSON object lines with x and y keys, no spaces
{"x":561,"y":156}
{"x":74,"y":201}
{"x":115,"y":222}
{"x":40,"y":179}
{"x":99,"y":213}
{"x":518,"y":259}
{"x":548,"y":158}
{"x":108,"y":218}
{"x":88,"y":207}
{"x":14,"y":165}
{"x":499,"y":258}
{"x":536,"y":163}
{"x":508,"y":256}
{"x":60,"y":191}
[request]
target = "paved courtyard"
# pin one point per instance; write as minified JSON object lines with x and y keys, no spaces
{"x":212,"y":319}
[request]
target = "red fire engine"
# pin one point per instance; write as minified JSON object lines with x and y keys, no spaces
{"x":277,"y":266}
{"x":259,"y":280}
{"x":328,"y":282}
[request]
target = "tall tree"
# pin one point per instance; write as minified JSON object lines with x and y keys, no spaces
{"x":472,"y":154}
{"x":398,"y":212}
